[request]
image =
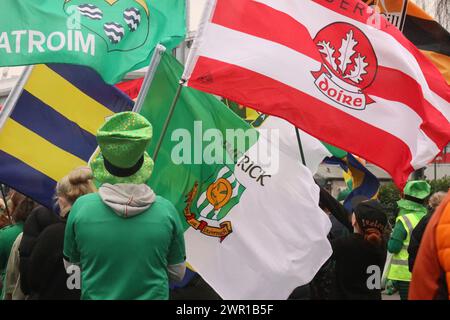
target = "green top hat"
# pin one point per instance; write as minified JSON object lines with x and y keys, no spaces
{"x":123,"y":141}
{"x":419,"y":189}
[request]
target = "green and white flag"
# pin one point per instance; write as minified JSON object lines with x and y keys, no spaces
{"x":111,"y":36}
{"x":215,"y":192}
{"x":253,"y":227}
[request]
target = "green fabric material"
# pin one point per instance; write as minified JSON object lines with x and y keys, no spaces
{"x":124,"y":137}
{"x":343,"y":194}
{"x":7,"y":237}
{"x":123,"y":258}
{"x":65,"y":35}
{"x":336,"y":152}
{"x":235,"y":108}
{"x":123,"y":140}
{"x":178,"y":168}
{"x":408,"y":206}
{"x":419,"y":189}
{"x":399,"y":234}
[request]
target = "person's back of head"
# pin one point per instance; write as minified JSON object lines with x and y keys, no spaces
{"x":435,"y":200}
{"x":417,"y":191}
{"x":370,"y":221}
{"x":77,"y":183}
{"x":134,"y":228}
{"x":22,"y":207}
{"x":123,"y":166}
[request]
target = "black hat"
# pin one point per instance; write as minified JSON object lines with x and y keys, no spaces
{"x":357,"y":200}
{"x":369,"y":214}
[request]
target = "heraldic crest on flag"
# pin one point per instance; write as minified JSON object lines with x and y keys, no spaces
{"x":209,"y":203}
{"x":349,"y":65}
{"x":130,"y":20}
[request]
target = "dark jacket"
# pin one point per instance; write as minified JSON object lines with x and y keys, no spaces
{"x":429,"y":278}
{"x":39,"y":219}
{"x":340,"y":216}
{"x":195,"y":289}
{"x":352,"y":256}
{"x":48,"y":277}
{"x":416,"y":238}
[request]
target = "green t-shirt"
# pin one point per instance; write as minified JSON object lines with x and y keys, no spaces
{"x":7,"y":237}
{"x":123,"y":258}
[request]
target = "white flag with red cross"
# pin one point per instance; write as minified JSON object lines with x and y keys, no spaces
{"x":336,"y":69}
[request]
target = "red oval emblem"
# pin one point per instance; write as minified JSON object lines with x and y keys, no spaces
{"x":347,"y":54}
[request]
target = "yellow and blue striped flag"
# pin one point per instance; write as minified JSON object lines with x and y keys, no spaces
{"x":363,"y":182}
{"x":51,"y":129}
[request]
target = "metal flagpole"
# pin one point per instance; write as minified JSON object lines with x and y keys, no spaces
{"x":9,"y":106}
{"x":149,"y":76}
{"x":14,"y":95}
{"x":435,"y":170}
{"x":300,"y":146}
{"x":6,"y":202}
{"x":166,"y":123}
{"x":154,"y":63}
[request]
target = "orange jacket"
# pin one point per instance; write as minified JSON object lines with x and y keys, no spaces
{"x":443,"y":244}
{"x":431,"y":273}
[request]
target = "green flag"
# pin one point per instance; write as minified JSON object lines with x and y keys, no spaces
{"x":111,"y":36}
{"x":336,"y":152}
{"x":195,"y":149}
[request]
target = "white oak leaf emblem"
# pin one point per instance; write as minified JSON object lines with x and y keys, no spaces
{"x":326,"y":48}
{"x":347,"y":51}
{"x":358,"y":70}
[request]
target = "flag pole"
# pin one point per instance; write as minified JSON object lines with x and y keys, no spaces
{"x":6,"y":202}
{"x":149,"y":76}
{"x":300,"y":146}
{"x":154,"y":63}
{"x":169,"y":117}
{"x":435,"y":170}
{"x":14,"y":95}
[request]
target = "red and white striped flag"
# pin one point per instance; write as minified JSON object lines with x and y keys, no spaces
{"x":334,"y":68}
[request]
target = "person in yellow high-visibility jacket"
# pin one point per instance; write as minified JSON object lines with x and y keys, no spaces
{"x":411,"y":210}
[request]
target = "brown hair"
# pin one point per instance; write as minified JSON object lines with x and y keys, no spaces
{"x":21,"y":205}
{"x":374,"y":236}
{"x":76,"y":184}
{"x":371,"y":221}
{"x":436,"y":199}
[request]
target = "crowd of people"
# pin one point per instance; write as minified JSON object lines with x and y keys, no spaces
{"x":126,"y":242}
{"x":364,"y":241}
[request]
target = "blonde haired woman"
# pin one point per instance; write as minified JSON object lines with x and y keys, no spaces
{"x":48,"y":276}
{"x":71,"y":187}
